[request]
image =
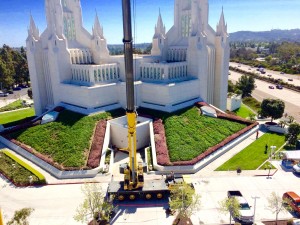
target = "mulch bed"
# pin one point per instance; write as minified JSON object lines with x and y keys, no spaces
{"x":279,"y":222}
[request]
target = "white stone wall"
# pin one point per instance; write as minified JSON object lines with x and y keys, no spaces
{"x":119,"y":132}
{"x":198,"y":69}
{"x":234,"y":102}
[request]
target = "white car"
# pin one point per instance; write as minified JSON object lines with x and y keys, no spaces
{"x":296,"y":169}
{"x":296,"y":222}
{"x":2,"y":94}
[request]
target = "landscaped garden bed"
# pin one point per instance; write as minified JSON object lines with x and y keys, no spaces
{"x":185,"y":137}
{"x":18,"y":172}
{"x":70,"y":143}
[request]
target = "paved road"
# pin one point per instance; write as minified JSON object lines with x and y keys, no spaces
{"x":291,"y":98}
{"x":275,"y":74}
{"x":13,"y":97}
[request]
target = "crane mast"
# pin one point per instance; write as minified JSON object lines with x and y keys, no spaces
{"x":133,"y":174}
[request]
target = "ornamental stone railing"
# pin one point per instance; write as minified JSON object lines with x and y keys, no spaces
{"x":164,"y":72}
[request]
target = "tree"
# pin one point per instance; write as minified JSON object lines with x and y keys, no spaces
{"x":231,"y":87}
{"x":21,"y":217}
{"x":184,"y":200}
{"x":293,"y":132}
{"x":29,"y":92}
{"x":246,"y":84}
{"x":93,"y":205}
{"x":273,"y":108}
{"x":230,"y":205}
{"x":276,"y":204}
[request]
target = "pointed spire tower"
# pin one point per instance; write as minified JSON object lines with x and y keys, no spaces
{"x":97,"y":28}
{"x":222,"y":26}
{"x":100,"y":50}
{"x":33,"y":31}
{"x":160,"y":29}
{"x":159,"y":37}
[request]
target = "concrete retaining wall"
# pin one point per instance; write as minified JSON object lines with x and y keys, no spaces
{"x":54,"y":171}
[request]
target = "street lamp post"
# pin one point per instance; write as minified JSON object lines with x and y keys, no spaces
{"x":254,"y":197}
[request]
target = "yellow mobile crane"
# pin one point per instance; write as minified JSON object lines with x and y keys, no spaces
{"x":133,"y":185}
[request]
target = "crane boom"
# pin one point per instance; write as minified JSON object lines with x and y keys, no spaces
{"x":133,"y":177}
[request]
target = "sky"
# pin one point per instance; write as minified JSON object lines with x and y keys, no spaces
{"x":240,"y":15}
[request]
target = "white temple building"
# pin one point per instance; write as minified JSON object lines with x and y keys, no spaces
{"x":71,"y":67}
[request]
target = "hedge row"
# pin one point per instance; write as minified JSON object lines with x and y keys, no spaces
{"x":161,"y":144}
{"x":26,"y":166}
{"x":97,"y":144}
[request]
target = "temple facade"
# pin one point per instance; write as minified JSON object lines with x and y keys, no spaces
{"x":71,"y":67}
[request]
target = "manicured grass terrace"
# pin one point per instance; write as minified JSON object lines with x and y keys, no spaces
{"x":189,"y":133}
{"x":254,"y":155}
{"x":243,"y":111}
{"x":12,"y":118}
{"x":67,"y":140}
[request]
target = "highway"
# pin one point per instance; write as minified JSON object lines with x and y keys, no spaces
{"x":262,"y":91}
{"x":274,"y":74}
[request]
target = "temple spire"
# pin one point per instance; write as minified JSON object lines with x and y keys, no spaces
{"x":97,"y":28}
{"x":33,"y":30}
{"x":160,"y":29}
{"x":222,"y":26}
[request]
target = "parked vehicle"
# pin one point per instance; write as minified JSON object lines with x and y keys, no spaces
{"x":17,"y":89}
{"x":290,"y":79}
{"x":246,"y":214}
{"x":293,"y":200}
{"x":279,"y":87}
{"x":296,"y":168}
{"x":281,"y":72}
{"x":3,"y":94}
{"x":271,"y":87}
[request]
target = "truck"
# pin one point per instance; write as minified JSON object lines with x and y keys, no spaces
{"x":134,"y":186}
{"x":246,"y":214}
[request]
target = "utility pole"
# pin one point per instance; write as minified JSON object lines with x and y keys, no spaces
{"x":254,"y":197}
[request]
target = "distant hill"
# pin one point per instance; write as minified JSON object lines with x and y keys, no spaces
{"x":273,"y":35}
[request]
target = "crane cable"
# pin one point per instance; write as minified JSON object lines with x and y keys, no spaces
{"x":134,"y":42}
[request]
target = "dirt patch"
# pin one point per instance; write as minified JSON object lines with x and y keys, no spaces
{"x":279,"y":222}
{"x":182,"y":221}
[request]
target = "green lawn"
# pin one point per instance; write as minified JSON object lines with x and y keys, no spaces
{"x":12,"y":106}
{"x":189,"y":133}
{"x":15,"y":116}
{"x":243,"y":111}
{"x":66,"y":141}
{"x":254,"y":155}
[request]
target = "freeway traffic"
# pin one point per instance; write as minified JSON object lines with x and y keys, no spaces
{"x":289,"y":78}
{"x":262,"y":91}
